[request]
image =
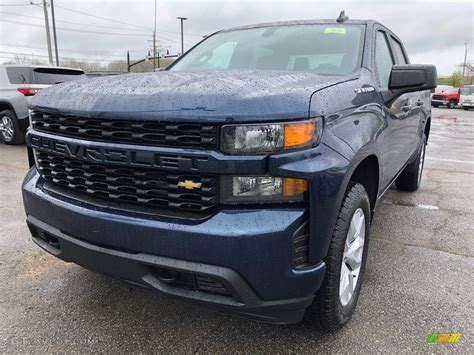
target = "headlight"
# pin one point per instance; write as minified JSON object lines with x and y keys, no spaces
{"x":269,"y":138}
{"x":262,"y":189}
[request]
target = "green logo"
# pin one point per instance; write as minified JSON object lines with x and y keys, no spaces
{"x":443,"y":338}
{"x":336,"y":30}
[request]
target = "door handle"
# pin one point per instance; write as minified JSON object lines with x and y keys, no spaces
{"x":419,"y":103}
{"x":407,"y":108}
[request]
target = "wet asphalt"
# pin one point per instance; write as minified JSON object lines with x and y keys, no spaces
{"x":419,"y":278}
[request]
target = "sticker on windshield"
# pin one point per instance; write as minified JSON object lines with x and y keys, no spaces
{"x":336,"y":30}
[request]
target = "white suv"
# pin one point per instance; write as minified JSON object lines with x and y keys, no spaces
{"x":467,"y":97}
{"x":17,"y":84}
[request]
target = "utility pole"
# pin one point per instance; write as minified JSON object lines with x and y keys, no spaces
{"x":154,"y":42}
{"x":182,"y":38}
{"x":154,"y":51}
{"x":465,"y":60}
{"x":48,"y":36}
{"x":128,"y":61}
{"x":54,"y":33}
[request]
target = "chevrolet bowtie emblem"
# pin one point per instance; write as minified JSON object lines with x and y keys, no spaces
{"x":189,"y":184}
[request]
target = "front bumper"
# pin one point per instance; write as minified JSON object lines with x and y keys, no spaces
{"x":249,"y":251}
{"x":439,"y":102}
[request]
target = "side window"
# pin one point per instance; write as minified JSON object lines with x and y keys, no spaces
{"x":397,"y":48}
{"x":19,"y":75}
{"x":383,"y":59}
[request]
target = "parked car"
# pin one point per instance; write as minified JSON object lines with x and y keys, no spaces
{"x":467,"y":97}
{"x":244,"y":178}
{"x":18,"y":83}
{"x":449,"y":97}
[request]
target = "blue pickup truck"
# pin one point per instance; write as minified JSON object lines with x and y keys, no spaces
{"x":244,"y":177}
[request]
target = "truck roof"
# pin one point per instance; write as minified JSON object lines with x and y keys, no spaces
{"x":304,"y":22}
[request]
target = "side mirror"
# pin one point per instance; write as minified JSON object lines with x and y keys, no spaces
{"x":406,"y":78}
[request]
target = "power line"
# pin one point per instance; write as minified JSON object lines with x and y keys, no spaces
{"x":18,"y":45}
{"x":103,"y":18}
{"x":78,"y":52}
{"x":100,"y":26}
{"x":11,"y":55}
{"x":125,"y":23}
{"x":73,"y":23}
{"x":31,"y":55}
{"x":94,"y":32}
{"x":78,"y":30}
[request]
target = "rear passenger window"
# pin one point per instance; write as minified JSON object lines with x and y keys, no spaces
{"x":19,"y":75}
{"x":400,"y":56}
{"x":383,"y":59}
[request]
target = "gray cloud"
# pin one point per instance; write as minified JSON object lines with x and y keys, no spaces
{"x":433,"y":31}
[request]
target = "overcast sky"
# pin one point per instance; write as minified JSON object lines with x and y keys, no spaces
{"x":433,"y":31}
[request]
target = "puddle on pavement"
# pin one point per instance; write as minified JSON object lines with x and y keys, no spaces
{"x":410,"y":204}
{"x":446,"y":117}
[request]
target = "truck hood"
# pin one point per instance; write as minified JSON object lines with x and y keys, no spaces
{"x":224,"y":96}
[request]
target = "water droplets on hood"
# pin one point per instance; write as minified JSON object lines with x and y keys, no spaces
{"x":176,"y":94}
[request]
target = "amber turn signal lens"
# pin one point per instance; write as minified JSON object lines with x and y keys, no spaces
{"x":299,"y":134}
{"x":294,"y":187}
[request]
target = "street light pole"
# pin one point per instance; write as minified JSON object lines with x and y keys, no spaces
{"x":182,"y":37}
{"x":48,"y":36}
{"x":465,"y":60}
{"x":54,"y":33}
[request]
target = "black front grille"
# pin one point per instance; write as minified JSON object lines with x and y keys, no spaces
{"x":143,"y":187}
{"x":438,"y":97}
{"x":128,"y":131}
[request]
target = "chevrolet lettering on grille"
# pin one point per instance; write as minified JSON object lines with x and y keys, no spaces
{"x":99,"y":154}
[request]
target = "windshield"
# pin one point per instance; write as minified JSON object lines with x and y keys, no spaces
{"x":468,"y":90}
{"x":320,"y":49}
{"x":442,"y":88}
{"x":451,"y":91}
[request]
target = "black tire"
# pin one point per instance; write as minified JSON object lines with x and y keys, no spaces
{"x":452,"y":104}
{"x":327,"y":311}
{"x":410,"y":178}
{"x":465,"y":108}
{"x":435,"y":105}
{"x":15,"y":134}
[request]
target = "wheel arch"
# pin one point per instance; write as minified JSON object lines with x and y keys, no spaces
{"x":5,"y":105}
{"x":367,"y":173}
{"x":365,"y":167}
{"x":427,"y":128}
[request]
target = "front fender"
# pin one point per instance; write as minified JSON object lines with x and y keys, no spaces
{"x":349,"y":138}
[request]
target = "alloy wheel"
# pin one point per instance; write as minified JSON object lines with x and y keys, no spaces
{"x":352,"y":257}
{"x":6,"y":128}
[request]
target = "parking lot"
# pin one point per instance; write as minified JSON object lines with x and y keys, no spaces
{"x":419,"y":278}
